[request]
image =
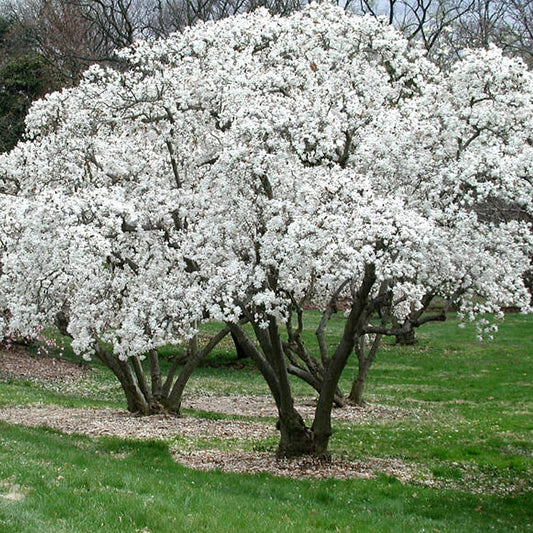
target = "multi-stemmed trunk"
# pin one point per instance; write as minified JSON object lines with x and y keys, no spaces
{"x":361,"y":310}
{"x":300,"y":362}
{"x":296,"y":438}
{"x":159,"y":395}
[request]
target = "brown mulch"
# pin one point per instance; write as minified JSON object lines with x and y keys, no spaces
{"x":120,"y":423}
{"x":115,"y":422}
{"x":297,"y":468}
{"x":19,"y":364}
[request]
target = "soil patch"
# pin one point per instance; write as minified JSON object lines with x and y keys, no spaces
{"x":17,"y":363}
{"x":298,"y":468}
{"x":119,"y":423}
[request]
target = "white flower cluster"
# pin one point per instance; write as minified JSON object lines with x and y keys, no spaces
{"x":256,"y":162}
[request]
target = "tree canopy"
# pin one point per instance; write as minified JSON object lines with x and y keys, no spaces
{"x":249,"y":167}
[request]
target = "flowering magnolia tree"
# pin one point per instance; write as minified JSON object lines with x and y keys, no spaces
{"x":249,"y":167}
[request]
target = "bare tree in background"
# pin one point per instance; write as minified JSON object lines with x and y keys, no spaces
{"x":73,"y":34}
{"x":57,"y":32}
{"x":423,"y":20}
{"x":176,"y":15}
{"x":520,"y":28}
{"x":456,"y":24}
{"x":505,"y":23}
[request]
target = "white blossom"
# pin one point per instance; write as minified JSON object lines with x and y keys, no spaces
{"x":244,"y":165}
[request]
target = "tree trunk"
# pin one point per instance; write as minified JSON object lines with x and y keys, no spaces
{"x":136,"y":402}
{"x":407,"y":339}
{"x":155,"y":373}
{"x":358,"y":387}
{"x":296,"y":438}
{"x":141,"y":381}
{"x":151,"y":397}
{"x":241,"y":352}
{"x":173,"y":401}
{"x":353,"y":329}
{"x":365,"y":360}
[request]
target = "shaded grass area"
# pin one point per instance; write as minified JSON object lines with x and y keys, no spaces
{"x":464,"y":417}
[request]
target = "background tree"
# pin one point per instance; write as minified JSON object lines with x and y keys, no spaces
{"x":446,"y":27}
{"x":47,"y":44}
{"x":24,"y":77}
{"x":70,"y":36}
{"x":425,"y":21}
{"x":504,"y":23}
{"x":74,"y":34}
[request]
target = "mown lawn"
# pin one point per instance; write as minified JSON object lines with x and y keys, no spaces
{"x":464,"y":422}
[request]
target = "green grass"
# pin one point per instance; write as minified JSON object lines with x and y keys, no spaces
{"x":456,"y":411}
{"x":77,"y":484}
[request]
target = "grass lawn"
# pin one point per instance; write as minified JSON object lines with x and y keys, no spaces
{"x":461,"y":417}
